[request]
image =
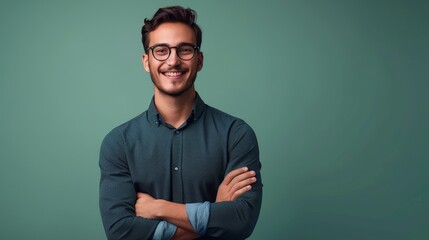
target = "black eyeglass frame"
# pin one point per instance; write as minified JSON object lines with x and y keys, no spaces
{"x":196,"y":48}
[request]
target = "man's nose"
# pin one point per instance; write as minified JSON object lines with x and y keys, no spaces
{"x":173,"y":59}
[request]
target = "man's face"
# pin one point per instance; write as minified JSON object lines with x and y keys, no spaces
{"x":173,"y":76}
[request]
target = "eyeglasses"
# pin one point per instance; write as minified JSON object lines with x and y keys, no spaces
{"x":184,"y":51}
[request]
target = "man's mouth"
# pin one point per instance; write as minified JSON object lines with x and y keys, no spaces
{"x":173,"y":73}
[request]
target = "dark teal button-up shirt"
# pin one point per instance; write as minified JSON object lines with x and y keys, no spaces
{"x":183,"y":165}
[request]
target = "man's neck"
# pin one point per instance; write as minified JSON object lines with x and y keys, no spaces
{"x":175,"y":110}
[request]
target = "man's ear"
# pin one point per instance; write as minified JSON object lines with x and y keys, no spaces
{"x":145,"y":61}
{"x":200,"y":61}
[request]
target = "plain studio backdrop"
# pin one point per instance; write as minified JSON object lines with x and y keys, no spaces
{"x":336,"y":91}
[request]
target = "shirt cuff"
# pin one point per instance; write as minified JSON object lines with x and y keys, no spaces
{"x":164,"y":231}
{"x":198,"y":215}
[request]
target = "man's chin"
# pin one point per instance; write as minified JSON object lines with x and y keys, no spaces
{"x":176,"y":92}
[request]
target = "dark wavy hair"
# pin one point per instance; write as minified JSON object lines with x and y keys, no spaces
{"x":171,"y":15}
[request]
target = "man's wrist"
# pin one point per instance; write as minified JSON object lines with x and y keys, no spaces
{"x":162,"y":208}
{"x":172,"y":212}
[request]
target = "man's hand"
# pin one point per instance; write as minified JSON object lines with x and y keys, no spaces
{"x":234,"y":184}
{"x":147,"y":206}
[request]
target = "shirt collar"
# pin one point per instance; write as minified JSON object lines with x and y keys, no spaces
{"x":197,"y":110}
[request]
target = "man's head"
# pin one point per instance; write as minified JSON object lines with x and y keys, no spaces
{"x":171,"y":40}
{"x":169,"y":15}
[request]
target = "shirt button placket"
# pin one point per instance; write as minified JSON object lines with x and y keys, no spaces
{"x":176,"y":163}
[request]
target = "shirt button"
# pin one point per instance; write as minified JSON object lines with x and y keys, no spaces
{"x":177,"y":132}
{"x":176,"y":168}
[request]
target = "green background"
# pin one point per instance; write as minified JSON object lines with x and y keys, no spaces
{"x":336,"y":91}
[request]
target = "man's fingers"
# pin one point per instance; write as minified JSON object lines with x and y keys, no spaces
{"x":142,"y":195}
{"x":246,"y":182}
{"x":235,"y":184}
{"x":240,"y":191}
{"x":242,"y":176}
{"x":231,"y":175}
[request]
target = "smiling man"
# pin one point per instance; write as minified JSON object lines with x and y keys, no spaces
{"x":181,"y":169}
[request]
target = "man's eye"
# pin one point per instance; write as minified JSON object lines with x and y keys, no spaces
{"x":161,"y":50}
{"x":186,"y":50}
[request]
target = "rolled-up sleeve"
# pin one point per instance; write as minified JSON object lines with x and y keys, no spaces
{"x":117,"y":194}
{"x":237,"y":219}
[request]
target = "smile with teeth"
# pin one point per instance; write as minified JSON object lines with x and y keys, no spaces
{"x":172,"y":74}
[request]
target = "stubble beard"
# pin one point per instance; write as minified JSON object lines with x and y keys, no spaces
{"x":178,"y":92}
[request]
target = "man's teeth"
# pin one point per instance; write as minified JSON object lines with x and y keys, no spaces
{"x":173,"y":74}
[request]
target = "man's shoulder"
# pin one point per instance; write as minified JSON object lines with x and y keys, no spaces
{"x":228,"y":119}
{"x":221,"y":115}
{"x":240,"y":135}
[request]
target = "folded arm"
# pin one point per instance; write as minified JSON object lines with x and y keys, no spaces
{"x":234,"y":185}
{"x":237,"y":219}
{"x":118,"y":195}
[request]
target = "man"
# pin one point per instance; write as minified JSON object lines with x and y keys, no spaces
{"x":181,"y":169}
